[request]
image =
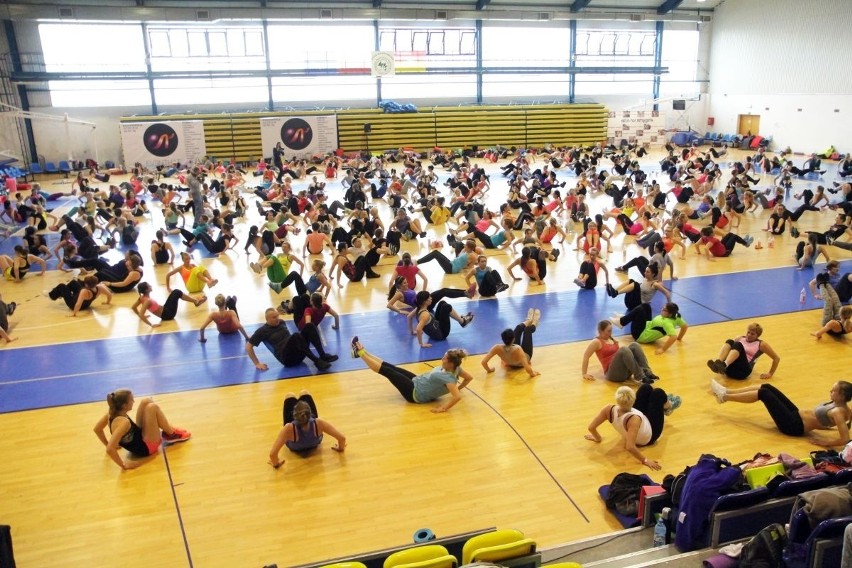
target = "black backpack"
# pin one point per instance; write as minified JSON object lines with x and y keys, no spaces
{"x":673,"y":484}
{"x":624,"y":493}
{"x":765,"y":548}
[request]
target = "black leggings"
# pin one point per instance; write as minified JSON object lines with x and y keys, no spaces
{"x":445,"y":262}
{"x":69,"y":292}
{"x":76,"y":228}
{"x":490,"y":281}
{"x":484,"y":239}
{"x":651,"y":402}
{"x":295,"y":348}
{"x":637,"y":317}
{"x":215,"y":247}
{"x":295,"y":277}
{"x":639,"y":262}
{"x":402,"y":379}
{"x":729,"y":241}
{"x":784,"y":413}
{"x":290,"y":405}
{"x":439,"y":328}
{"x":740,"y":369}
{"x":442,"y":293}
{"x":171,"y":305}
{"x":588,"y":268}
{"x":523,"y":337}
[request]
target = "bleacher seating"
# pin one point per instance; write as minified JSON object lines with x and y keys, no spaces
{"x":817,"y":547}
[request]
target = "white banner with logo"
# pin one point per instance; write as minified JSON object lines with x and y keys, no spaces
{"x":301,"y":136}
{"x":636,"y":126}
{"x":167,"y":142}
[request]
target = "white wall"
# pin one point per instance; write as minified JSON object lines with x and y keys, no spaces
{"x":785,"y":61}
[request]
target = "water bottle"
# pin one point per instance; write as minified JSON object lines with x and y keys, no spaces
{"x":660,"y":532}
{"x":802,"y":296}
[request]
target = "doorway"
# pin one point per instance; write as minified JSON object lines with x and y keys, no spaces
{"x":748,"y":124}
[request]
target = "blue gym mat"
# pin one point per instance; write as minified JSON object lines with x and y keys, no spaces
{"x":55,"y":375}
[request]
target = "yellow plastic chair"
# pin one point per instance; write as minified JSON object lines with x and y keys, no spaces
{"x":345,"y":565}
{"x":496,"y":546}
{"x":428,"y":556}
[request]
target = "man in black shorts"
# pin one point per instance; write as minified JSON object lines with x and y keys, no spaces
{"x":289,"y":349}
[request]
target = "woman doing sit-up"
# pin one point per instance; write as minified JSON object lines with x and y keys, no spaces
{"x":789,"y":419}
{"x":426,"y":387}
{"x":165,"y":312}
{"x":436,"y":325}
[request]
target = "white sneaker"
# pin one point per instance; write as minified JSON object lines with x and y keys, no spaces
{"x":718,"y":390}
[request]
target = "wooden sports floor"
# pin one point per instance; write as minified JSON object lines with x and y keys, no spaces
{"x":511,"y":454}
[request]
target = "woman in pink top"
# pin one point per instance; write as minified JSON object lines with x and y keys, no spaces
{"x":226,"y":318}
{"x":619,"y":363}
{"x":167,"y":311}
{"x":408,"y":270}
{"x":738,"y":356}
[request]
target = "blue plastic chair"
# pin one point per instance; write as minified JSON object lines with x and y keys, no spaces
{"x":35,"y":168}
{"x":109,"y":164}
{"x":50,"y":168}
{"x":64,"y":167}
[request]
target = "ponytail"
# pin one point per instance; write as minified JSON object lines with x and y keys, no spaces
{"x":302,"y":413}
{"x":116,"y":401}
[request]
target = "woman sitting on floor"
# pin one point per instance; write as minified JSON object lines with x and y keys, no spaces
{"x":80,"y":295}
{"x":15,"y":268}
{"x":638,"y":417}
{"x":303,"y":429}
{"x":225,"y":317}
{"x":835,"y":318}
{"x":738,"y":356}
{"x":426,"y":387}
{"x":167,"y":311}
{"x":195,"y":278}
{"x":433,"y":319}
{"x":619,"y":363}
{"x":516,"y":351}
{"x":141,"y":438}
{"x":789,"y":419}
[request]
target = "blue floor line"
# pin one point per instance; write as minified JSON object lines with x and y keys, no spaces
{"x":55,"y":375}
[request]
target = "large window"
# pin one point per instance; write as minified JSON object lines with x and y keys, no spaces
{"x":210,"y":91}
{"x":196,"y":48}
{"x":317,"y":90}
{"x":69,"y":48}
{"x":615,"y":48}
{"x":539,"y":87}
{"x":404,"y":88}
{"x":592,"y":84}
{"x":324,"y":62}
{"x":424,"y":47}
{"x":680,"y":55}
{"x":99,"y":93}
{"x":525,"y":47}
{"x":321,"y":47}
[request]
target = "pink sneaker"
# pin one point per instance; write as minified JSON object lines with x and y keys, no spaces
{"x":176,"y":437}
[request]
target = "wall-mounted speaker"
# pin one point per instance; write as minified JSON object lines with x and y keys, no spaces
{"x":368,"y":128}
